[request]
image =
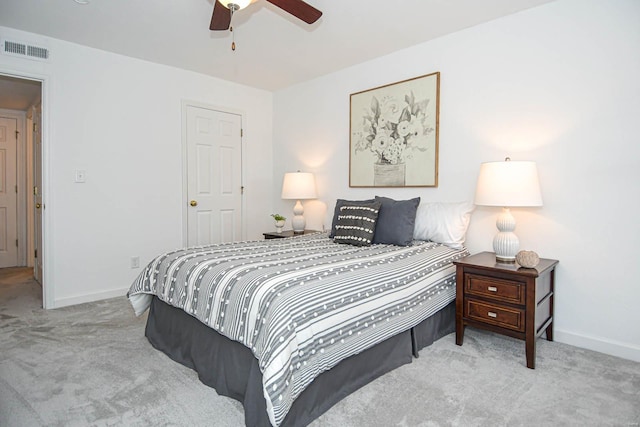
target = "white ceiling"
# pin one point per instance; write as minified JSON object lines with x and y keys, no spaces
{"x":274,"y":50}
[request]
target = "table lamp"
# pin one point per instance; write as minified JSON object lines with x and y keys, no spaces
{"x":507,"y":184}
{"x":298,"y":186}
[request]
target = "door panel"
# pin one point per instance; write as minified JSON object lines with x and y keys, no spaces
{"x":228,"y":225}
{"x":37,"y":193}
{"x":226,"y":171}
{"x":214,"y":176}
{"x":204,"y":223}
{"x":8,"y":193}
{"x":3,"y":231}
{"x":204,"y":158}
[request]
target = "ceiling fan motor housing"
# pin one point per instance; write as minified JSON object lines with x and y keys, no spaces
{"x":235,"y":4}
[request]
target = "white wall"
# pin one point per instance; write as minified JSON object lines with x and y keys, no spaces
{"x":557,"y":84}
{"x":119,"y":119}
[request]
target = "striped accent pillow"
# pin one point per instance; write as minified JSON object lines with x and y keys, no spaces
{"x":340,"y":203}
{"x":356,"y":224}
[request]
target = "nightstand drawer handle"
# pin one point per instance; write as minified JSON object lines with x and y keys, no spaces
{"x":492,"y":289}
{"x":492,"y":314}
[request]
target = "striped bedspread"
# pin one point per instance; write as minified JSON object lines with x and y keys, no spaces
{"x":302,"y":304}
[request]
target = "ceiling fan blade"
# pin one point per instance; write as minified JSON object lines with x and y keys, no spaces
{"x":299,"y":9}
{"x":221,"y":18}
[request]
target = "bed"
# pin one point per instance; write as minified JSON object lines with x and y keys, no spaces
{"x":291,"y":326}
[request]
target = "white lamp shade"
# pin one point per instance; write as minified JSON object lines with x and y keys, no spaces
{"x":240,"y":3}
{"x":299,"y":186}
{"x":508,"y":184}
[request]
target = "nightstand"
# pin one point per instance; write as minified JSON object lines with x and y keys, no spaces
{"x":286,"y":233}
{"x":505,"y":298}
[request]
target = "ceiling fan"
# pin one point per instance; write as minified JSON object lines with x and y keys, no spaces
{"x":223,"y":10}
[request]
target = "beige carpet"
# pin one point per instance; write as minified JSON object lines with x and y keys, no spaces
{"x":90,"y":365}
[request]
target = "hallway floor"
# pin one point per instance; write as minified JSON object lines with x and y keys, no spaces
{"x":20,"y":294}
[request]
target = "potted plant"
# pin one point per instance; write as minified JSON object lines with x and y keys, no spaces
{"x":279,"y":222}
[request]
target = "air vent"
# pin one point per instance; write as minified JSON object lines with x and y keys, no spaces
{"x":37,"y":52}
{"x":15,"y":48}
{"x":25,"y":50}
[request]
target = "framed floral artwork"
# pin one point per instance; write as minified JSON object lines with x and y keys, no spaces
{"x":394,"y":134}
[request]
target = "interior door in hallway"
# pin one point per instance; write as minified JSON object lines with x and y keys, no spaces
{"x":8,"y":193}
{"x":37,"y":193}
{"x":214,"y":176}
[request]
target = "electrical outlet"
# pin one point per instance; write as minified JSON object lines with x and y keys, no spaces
{"x":135,"y":262}
{"x":81,"y":176}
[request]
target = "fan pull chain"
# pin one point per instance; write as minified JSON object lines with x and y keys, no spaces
{"x":232,"y":9}
{"x":233,"y":39}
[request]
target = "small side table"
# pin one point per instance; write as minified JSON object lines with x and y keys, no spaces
{"x":286,"y":233}
{"x":505,"y":298}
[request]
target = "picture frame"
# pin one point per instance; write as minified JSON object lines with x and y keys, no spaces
{"x":394,"y":134}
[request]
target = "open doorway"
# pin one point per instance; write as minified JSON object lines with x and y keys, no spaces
{"x":21,"y":232}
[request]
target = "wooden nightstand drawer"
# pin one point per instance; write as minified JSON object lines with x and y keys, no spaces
{"x":504,"y":317}
{"x":497,"y":289}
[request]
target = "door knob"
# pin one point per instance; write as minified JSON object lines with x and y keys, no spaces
{"x":38,"y":205}
{"x":193,"y":203}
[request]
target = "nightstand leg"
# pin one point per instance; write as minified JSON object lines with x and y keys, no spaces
{"x":459,"y":305}
{"x":459,"y":332}
{"x":550,"y":332}
{"x":531,"y":353}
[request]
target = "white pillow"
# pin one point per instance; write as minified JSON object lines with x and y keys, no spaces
{"x":444,"y":223}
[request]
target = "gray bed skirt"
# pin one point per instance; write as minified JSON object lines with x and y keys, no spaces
{"x":232,"y":370}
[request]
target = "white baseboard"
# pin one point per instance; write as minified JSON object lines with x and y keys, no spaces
{"x":80,"y":299}
{"x":613,"y":348}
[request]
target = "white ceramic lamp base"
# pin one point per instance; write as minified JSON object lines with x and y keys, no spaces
{"x":506,"y":243}
{"x":298,"y":222}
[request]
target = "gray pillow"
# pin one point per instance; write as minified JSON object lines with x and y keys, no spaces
{"x":396,"y":221}
{"x":356,"y":224}
{"x":336,"y":211}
